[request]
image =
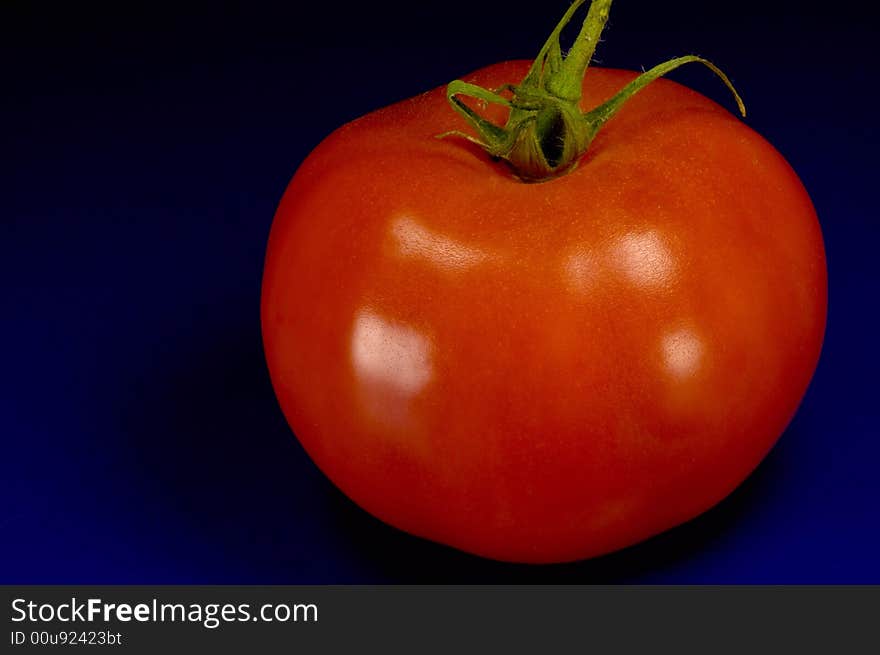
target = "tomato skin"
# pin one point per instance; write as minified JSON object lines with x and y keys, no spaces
{"x":543,"y":372}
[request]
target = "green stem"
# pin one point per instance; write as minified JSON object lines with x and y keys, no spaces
{"x":567,"y":84}
{"x":546,"y":133}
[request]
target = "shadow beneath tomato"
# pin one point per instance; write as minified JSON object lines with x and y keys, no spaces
{"x":406,"y":559}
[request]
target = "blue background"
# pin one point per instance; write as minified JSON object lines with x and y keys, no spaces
{"x":143,"y":153}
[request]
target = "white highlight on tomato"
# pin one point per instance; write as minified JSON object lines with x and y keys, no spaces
{"x":413,"y":239}
{"x":390,"y":354}
{"x":682,"y":352}
{"x":644,"y":258}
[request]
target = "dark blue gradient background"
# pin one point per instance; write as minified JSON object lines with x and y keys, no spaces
{"x":143,"y":151}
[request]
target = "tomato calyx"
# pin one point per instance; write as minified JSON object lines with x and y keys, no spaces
{"x":546,"y":133}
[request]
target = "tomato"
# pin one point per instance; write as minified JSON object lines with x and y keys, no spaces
{"x":543,"y":372}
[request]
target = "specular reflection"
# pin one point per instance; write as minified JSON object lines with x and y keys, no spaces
{"x":640,"y":258}
{"x":412,"y":239}
{"x":643,"y":258}
{"x":390,"y":353}
{"x":682,"y":352}
{"x":392,"y":363}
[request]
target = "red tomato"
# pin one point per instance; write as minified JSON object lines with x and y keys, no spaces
{"x":543,"y":372}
